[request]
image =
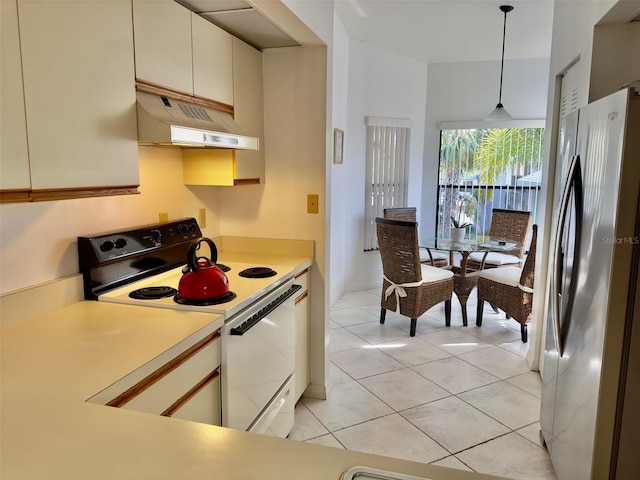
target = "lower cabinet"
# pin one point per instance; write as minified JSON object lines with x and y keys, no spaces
{"x":302,"y":334}
{"x":204,"y":406}
{"x":182,"y":384}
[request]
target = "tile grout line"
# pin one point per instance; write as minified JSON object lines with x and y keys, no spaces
{"x":394,"y":411}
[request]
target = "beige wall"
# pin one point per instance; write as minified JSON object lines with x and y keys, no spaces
{"x":38,"y":240}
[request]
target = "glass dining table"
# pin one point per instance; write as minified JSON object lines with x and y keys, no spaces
{"x":464,"y":279}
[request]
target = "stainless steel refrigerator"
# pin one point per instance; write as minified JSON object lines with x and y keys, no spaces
{"x":591,"y":370}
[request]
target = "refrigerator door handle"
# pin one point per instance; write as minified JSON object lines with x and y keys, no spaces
{"x":573,"y":185}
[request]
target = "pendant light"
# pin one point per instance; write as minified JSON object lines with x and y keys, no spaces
{"x":500,"y":113}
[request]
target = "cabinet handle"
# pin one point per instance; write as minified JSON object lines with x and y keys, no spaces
{"x":304,"y":272}
{"x":175,"y":406}
{"x":302,"y":297}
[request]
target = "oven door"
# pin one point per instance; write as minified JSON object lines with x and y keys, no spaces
{"x":258,"y":359}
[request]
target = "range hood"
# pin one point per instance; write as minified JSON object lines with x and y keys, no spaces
{"x":170,"y":122}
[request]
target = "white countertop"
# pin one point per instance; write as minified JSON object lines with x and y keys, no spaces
{"x":51,"y":364}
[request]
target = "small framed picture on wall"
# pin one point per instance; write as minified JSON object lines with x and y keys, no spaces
{"x":338,"y":145}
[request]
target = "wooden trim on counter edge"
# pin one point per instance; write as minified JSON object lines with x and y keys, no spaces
{"x":155,"y":89}
{"x":50,"y":194}
{"x":161,"y":372}
{"x":302,"y":297}
{"x":177,"y":405}
{"x":15,"y":195}
{"x":246,"y":181}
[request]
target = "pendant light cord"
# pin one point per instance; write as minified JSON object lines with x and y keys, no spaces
{"x":506,"y":9}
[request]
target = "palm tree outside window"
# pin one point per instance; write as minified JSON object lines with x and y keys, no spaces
{"x":500,"y":167}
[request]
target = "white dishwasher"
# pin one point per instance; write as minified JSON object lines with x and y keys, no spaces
{"x":258,"y":357}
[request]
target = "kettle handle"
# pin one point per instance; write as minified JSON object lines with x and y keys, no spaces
{"x":192,"y":259}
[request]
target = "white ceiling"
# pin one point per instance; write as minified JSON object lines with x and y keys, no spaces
{"x":432,"y":31}
{"x":439,"y":31}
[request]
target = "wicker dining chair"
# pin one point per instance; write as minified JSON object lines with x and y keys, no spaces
{"x":506,"y":225}
{"x":510,"y":289}
{"x":409,"y":286}
{"x":428,"y":256}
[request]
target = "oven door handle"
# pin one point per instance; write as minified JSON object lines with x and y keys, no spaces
{"x":254,"y":319}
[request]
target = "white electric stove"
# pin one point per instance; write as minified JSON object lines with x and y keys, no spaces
{"x":258,"y":340}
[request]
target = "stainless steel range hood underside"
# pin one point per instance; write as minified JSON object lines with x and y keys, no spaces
{"x":167,"y":121}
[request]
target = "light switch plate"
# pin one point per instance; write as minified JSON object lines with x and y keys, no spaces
{"x":163,"y":217}
{"x":312,"y":203}
{"x":202,"y":217}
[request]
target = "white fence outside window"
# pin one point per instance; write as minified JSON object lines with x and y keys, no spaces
{"x":500,"y":167}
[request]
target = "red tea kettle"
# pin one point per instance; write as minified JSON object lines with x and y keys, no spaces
{"x":202,"y":279}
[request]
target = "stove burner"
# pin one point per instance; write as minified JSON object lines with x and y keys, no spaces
{"x":257,"y":272}
{"x":223,"y":267}
{"x":153,"y":293}
{"x":207,"y":301}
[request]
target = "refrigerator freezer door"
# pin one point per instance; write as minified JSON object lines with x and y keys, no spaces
{"x":600,"y":142}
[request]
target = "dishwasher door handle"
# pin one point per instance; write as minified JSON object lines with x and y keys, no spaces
{"x":254,"y":319}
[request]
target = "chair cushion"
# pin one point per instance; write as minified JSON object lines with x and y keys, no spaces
{"x":424,"y":255}
{"x":495,"y":258}
{"x":435,"y":274}
{"x":508,"y":275}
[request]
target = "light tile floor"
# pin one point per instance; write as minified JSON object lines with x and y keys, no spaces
{"x":460,"y":397}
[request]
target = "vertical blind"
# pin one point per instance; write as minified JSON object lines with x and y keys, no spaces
{"x":386,"y":181}
{"x":569,"y":91}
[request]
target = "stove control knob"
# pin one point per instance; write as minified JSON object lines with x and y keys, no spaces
{"x":156,"y":235}
{"x":192,"y":227}
{"x":107,"y":246}
{"x":121,"y":242}
{"x":183,"y":228}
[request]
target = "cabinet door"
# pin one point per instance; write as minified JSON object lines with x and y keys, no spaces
{"x":183,"y":382}
{"x":163,"y":44}
{"x":77,"y":59}
{"x":157,"y":397}
{"x":204,"y":166}
{"x":14,"y":173}
{"x":212,"y":61}
{"x":249,"y":108}
{"x":204,"y":406}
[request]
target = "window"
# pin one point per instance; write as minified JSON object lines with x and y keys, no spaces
{"x":386,"y":181}
{"x":500,"y":167}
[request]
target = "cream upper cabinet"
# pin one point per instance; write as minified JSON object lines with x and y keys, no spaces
{"x":212,"y":61}
{"x":249,"y":107}
{"x":14,"y":155}
{"x":78,"y":68}
{"x":163,"y":44}
{"x":182,"y":51}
